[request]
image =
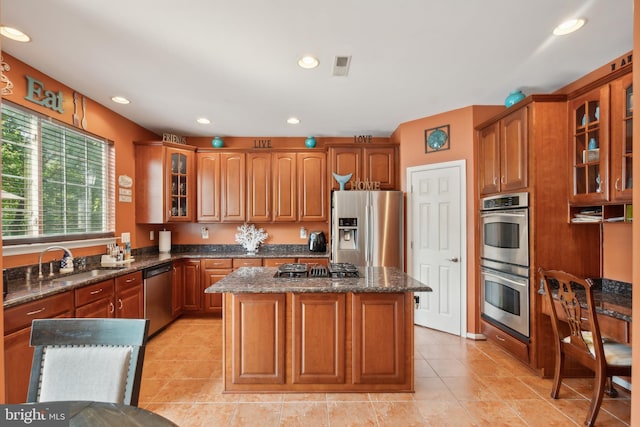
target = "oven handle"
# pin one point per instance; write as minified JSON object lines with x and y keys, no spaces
{"x":501,"y":277}
{"x":516,"y":215}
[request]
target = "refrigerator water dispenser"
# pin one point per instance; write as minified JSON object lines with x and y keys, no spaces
{"x":348,"y":233}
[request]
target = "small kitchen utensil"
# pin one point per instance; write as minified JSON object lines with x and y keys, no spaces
{"x":84,"y":113}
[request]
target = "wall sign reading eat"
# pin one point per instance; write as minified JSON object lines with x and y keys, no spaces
{"x":37,"y":94}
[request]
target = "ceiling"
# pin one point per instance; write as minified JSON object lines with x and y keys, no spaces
{"x":235,"y":62}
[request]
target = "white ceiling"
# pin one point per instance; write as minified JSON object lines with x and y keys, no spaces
{"x":235,"y":61}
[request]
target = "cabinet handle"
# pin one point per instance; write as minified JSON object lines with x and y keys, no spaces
{"x":120,"y":305}
{"x":31,"y":313}
{"x":111,"y":308}
{"x":617,"y":184}
{"x":96,"y":291}
{"x":129,"y":280}
{"x":499,"y":338}
{"x":495,"y":180}
{"x":502,"y":180}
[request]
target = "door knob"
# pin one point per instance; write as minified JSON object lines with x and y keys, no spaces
{"x":454,"y":259}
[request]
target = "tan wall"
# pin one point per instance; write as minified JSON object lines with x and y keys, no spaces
{"x":410,"y":136}
{"x":100,"y":121}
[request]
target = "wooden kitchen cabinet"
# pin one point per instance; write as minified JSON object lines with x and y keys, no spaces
{"x":177,"y":288}
{"x":165,"y":182}
{"x":285,"y":193}
{"x":130,"y":296}
{"x":258,"y":187}
{"x":208,"y":167}
{"x":318,"y":337}
{"x":212,"y":271}
{"x":18,"y":354}
{"x":370,"y":164}
{"x":502,"y":154}
{"x":258,"y":351}
{"x":233,"y":182}
{"x":192,"y":296}
{"x":312,"y":187}
{"x":96,"y":300}
{"x":622,"y":139}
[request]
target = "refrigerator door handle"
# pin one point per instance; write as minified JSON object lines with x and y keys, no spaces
{"x":367,"y":234}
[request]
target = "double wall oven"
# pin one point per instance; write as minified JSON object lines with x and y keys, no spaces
{"x":504,"y":262}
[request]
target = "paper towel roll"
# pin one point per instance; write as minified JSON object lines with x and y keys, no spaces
{"x":164,"y":241}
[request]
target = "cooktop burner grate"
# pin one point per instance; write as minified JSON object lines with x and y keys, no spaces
{"x":338,"y":270}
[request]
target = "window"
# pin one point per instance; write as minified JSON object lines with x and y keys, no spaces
{"x":58,"y":183}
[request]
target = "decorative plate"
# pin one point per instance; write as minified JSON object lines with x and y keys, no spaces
{"x":437,"y":139}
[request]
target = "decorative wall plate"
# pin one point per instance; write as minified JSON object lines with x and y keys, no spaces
{"x":437,"y":139}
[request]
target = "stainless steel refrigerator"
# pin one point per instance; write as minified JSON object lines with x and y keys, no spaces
{"x":367,"y":228}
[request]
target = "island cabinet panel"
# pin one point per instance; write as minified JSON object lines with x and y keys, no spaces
{"x":378,"y":336}
{"x":318,"y":338}
{"x":212,"y":271}
{"x":258,"y":341}
{"x":192,"y":296}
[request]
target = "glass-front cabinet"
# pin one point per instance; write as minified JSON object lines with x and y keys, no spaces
{"x":622,"y":139}
{"x":179,"y":188}
{"x":589,"y":116}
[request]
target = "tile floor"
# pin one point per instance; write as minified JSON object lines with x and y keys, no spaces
{"x":458,"y":382}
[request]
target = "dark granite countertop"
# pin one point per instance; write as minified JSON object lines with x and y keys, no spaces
{"x":263,"y":280}
{"x":21,"y":291}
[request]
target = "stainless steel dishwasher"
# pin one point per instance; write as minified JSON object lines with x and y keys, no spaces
{"x":158,"y":296}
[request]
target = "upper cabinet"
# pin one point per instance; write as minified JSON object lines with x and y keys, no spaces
{"x":601,"y":156}
{"x":232,"y":182}
{"x":285,"y":188}
{"x":371,"y":163}
{"x":258,"y":187}
{"x":208,"y":165}
{"x":165,"y":182}
{"x":312,"y":187}
{"x":502,"y":154}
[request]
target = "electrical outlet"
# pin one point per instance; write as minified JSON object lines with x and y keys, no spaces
{"x":125,"y":237}
{"x":205,"y":232}
{"x":151,"y":235}
{"x":303,"y":233}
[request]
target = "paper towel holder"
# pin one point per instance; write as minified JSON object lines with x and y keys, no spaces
{"x":164,"y":241}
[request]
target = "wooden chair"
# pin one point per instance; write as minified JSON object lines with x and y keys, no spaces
{"x":87,"y":359}
{"x":583,"y":342}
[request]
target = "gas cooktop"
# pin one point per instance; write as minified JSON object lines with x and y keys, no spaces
{"x":341,"y":270}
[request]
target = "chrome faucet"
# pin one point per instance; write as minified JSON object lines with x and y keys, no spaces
{"x":47,"y":250}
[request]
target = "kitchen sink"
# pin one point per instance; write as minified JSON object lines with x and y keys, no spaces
{"x":83,"y":275}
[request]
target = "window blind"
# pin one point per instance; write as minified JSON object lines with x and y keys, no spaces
{"x":58,"y":183}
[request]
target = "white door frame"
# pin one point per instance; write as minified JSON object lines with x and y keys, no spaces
{"x":462,"y":165}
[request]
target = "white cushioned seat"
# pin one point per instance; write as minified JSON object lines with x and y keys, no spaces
{"x":617,"y":354}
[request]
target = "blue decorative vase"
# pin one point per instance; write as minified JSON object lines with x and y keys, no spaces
{"x":310,"y":142}
{"x":217,"y":142}
{"x":593,"y":145}
{"x":513,"y":98}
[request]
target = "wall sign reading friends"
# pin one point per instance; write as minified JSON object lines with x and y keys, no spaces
{"x":37,"y":94}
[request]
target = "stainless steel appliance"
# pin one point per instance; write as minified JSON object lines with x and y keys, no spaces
{"x":504,"y":261}
{"x":157,"y":296}
{"x":336,"y":270}
{"x":367,"y":228}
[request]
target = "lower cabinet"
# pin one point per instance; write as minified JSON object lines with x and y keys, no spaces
{"x":314,"y":342}
{"x":212,"y":271}
{"x":130,"y":296}
{"x":18,"y":354}
{"x":192,"y":295}
{"x":177,"y":288}
{"x":96,"y":300}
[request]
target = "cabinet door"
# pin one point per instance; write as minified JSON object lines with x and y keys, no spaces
{"x":318,"y":338}
{"x":513,"y":151}
{"x":130,"y":302}
{"x":208,"y":186}
{"x":181,"y":185}
{"x":258,"y":187}
{"x":177,"y":288}
{"x":344,"y":161}
{"x":192,"y":299}
{"x":285,"y":200}
{"x":312,"y":186}
{"x":589,"y":118}
{"x":213,"y":270}
{"x":489,"y":159}
{"x":379,"y":166}
{"x":257,"y":338}
{"x":232,"y":171}
{"x":622,"y":139}
{"x":100,"y":308}
{"x":378,"y":334}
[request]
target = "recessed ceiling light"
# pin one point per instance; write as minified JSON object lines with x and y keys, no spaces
{"x":14,"y":34}
{"x":203,"y":121}
{"x":569,"y":26}
{"x":308,"y":62}
{"x":120,"y":100}
{"x":293,"y":120}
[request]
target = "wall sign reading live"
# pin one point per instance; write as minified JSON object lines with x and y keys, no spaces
{"x":362,"y":139}
{"x":261,"y":143}
{"x":169,"y":137}
{"x":624,"y":61}
{"x":37,"y":94}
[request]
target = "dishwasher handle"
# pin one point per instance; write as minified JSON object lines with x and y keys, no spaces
{"x":159,"y":269}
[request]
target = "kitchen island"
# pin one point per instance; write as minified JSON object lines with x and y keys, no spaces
{"x":318,"y":334}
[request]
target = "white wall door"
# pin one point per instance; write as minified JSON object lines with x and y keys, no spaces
{"x":436,"y":224}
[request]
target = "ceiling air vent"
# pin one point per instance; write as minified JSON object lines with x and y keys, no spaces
{"x":341,"y":66}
